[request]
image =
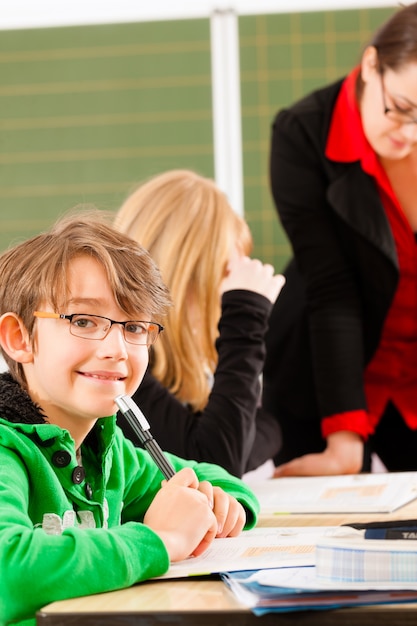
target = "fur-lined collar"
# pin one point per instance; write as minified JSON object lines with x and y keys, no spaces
{"x":16,"y":405}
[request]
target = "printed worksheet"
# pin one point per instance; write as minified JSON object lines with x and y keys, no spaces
{"x":350,"y":493}
{"x":255,"y":549}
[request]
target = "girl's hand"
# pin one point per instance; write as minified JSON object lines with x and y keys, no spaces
{"x":253,"y":275}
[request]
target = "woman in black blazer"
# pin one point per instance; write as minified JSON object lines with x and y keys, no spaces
{"x":341,"y":368}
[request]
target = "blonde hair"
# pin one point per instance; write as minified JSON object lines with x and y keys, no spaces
{"x":189,"y":228}
{"x":35,"y":271}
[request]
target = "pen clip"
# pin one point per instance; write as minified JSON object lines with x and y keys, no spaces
{"x":141,"y":427}
{"x":125,"y":403}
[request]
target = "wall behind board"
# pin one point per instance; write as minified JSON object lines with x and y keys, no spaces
{"x":86,"y":112}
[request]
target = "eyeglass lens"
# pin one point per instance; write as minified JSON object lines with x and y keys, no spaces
{"x":94,"y":327}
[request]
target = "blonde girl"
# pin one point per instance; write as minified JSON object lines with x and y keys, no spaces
{"x":221,"y":302}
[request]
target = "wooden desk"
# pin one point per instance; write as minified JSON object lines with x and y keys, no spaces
{"x":209,"y":602}
{"x":203,"y":603}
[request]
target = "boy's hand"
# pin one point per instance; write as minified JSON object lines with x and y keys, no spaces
{"x":182,"y":515}
{"x":230,"y":514}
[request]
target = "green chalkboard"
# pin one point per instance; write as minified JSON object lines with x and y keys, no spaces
{"x":88,"y":112}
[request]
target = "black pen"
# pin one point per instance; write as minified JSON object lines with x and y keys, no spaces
{"x":140,"y":425}
{"x":388,"y":529}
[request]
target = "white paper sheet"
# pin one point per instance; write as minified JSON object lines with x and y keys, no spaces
{"x":306,"y":579}
{"x":350,"y":493}
{"x":255,"y":549}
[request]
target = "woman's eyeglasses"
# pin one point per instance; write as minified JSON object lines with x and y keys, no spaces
{"x":396,"y":114}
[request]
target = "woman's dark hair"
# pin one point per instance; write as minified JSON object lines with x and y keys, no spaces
{"x":395,"y":42}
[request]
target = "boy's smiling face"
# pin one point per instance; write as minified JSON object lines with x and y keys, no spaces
{"x":75,"y":380}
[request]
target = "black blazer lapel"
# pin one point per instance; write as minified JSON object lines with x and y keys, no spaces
{"x":354,"y":198}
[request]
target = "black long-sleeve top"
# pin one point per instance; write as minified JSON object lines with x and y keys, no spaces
{"x":233,"y":430}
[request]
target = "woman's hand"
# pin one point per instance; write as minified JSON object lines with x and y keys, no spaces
{"x":343,"y":455}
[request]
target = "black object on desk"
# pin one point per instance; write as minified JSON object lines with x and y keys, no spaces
{"x":396,"y":529}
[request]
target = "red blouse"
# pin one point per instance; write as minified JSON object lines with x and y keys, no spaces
{"x":392,"y":373}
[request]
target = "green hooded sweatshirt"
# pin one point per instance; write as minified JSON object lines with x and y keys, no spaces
{"x":68,"y":530}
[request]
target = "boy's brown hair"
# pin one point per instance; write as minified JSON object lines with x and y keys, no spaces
{"x":34,"y":272}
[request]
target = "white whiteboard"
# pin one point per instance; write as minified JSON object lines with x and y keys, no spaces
{"x":41,"y":13}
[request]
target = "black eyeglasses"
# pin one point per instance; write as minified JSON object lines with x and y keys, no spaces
{"x":396,"y":114}
{"x":98,"y":327}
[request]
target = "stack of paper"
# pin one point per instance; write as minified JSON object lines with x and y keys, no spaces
{"x":348,"y":570}
{"x":273,"y":569}
{"x":298,"y":588}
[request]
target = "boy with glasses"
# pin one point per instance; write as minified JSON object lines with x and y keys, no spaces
{"x":81,"y":510}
